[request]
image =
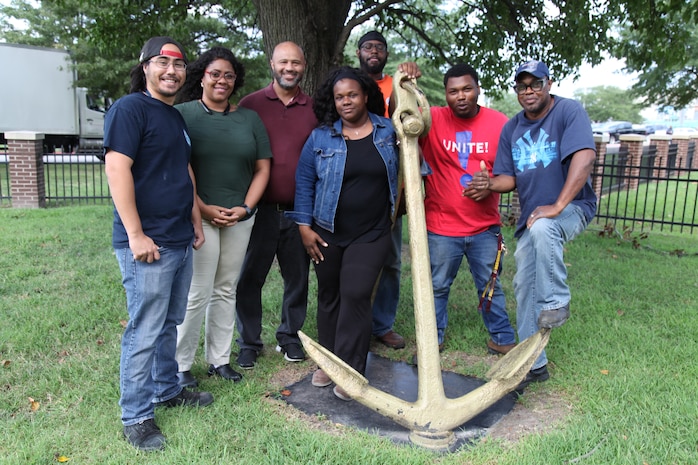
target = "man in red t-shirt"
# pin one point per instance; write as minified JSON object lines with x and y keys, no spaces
{"x":460,"y":220}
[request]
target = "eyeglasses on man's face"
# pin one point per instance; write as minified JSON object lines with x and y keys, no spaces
{"x":368,"y":46}
{"x":536,"y":86}
{"x":216,"y":75}
{"x":164,"y":63}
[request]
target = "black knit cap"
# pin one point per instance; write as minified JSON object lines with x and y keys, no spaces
{"x":372,"y":35}
{"x":153,"y":48}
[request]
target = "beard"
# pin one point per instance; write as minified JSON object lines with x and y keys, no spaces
{"x":371,"y":68}
{"x":288,"y":82}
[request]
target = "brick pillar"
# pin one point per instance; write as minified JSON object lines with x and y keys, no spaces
{"x":662,"y":143}
{"x":515,"y":206}
{"x":682,"y":152}
{"x":601,"y":141}
{"x":634,"y":144}
{"x":25,"y":151}
{"x":694,"y":163}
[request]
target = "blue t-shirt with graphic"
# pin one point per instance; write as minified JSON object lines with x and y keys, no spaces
{"x":537,"y":153}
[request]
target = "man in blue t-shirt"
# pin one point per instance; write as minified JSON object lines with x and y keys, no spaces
{"x":156,"y":223}
{"x":547,"y":153}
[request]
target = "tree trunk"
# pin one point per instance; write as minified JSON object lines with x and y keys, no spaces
{"x":316,"y":25}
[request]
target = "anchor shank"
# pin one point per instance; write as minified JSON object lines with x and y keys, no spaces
{"x":407,"y":120}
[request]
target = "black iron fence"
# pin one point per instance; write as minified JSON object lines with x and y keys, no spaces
{"x":662,"y":194}
{"x":75,"y":179}
{"x":70,"y":179}
{"x":5,"y":197}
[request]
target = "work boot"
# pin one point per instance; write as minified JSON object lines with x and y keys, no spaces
{"x":392,"y":340}
{"x":496,"y":349}
{"x":554,"y":318}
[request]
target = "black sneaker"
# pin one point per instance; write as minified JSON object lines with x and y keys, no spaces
{"x":534,"y":376}
{"x":247,"y":359}
{"x":292,"y":352}
{"x":145,"y":436}
{"x":188,"y":398}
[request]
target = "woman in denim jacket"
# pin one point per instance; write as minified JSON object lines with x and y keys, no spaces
{"x":346,"y":186}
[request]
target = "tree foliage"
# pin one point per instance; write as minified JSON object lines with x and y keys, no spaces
{"x":493,"y":35}
{"x":507,"y":104}
{"x":659,"y":40}
{"x":105,"y":37}
{"x":605,"y":103}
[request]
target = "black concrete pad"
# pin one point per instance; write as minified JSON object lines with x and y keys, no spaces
{"x":400,"y":380}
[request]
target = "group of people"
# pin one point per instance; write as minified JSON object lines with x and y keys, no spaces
{"x":207,"y":193}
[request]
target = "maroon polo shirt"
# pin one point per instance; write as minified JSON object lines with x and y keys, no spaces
{"x":288,"y":127}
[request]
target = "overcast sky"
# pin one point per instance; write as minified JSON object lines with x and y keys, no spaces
{"x":608,"y":73}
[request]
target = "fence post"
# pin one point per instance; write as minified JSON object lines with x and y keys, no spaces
{"x":694,"y":159}
{"x":682,"y":151}
{"x":601,"y":141}
{"x":662,"y":142}
{"x":25,"y":150}
{"x":634,"y":143}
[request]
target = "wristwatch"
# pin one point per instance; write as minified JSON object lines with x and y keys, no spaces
{"x":250,"y":211}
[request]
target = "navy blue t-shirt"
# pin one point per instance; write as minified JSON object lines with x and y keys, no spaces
{"x":154,"y":135}
{"x":536,"y":153}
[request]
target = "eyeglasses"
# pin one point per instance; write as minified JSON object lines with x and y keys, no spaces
{"x":216,"y":75}
{"x":368,"y":46}
{"x":535,"y":86}
{"x":164,"y":63}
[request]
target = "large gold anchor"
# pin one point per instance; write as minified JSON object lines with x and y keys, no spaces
{"x":432,"y":416}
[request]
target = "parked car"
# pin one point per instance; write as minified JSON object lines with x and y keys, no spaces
{"x":656,"y":128}
{"x":685,"y":131}
{"x":614,"y":129}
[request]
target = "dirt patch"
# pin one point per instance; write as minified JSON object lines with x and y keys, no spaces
{"x":539,"y":410}
{"x":536,"y":412}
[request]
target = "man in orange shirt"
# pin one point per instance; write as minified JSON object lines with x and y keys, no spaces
{"x":373,"y":55}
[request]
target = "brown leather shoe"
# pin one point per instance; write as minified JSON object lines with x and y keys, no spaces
{"x":496,"y":349}
{"x":341,"y":393}
{"x":392,"y":339}
{"x":320,"y":379}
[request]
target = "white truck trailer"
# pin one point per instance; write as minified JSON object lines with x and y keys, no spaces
{"x":38,"y":93}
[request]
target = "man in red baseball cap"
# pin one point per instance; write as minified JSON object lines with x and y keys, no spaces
{"x":156,"y":225}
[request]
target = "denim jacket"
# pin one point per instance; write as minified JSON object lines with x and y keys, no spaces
{"x":320,"y":171}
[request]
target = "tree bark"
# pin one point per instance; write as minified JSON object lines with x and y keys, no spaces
{"x":315,"y":25}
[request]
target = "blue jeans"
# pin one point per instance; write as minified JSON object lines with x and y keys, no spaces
{"x":388,"y":293}
{"x":156,"y":296}
{"x":541,"y":276}
{"x":446,"y":254}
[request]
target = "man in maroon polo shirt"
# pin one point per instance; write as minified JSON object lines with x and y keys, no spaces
{"x":288,"y":115}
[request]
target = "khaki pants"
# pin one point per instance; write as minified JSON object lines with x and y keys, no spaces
{"x":217,"y":266}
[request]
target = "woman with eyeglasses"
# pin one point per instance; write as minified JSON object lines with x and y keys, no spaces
{"x":346,"y":186}
{"x":231,"y":160}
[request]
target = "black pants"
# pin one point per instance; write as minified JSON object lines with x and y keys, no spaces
{"x":345,"y":283}
{"x":272,"y":235}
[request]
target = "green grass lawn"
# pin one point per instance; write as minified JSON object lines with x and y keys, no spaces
{"x":625,"y":363}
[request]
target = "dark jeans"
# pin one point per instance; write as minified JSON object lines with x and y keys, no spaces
{"x":273,"y":235}
{"x":387,"y":297}
{"x":345,"y":283}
